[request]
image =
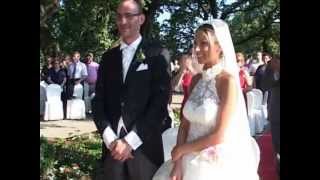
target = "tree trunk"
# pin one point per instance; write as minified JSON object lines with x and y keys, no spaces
{"x":146,"y":29}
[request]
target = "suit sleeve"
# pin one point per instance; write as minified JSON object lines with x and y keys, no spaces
{"x":98,"y":107}
{"x":156,"y":113}
{"x":267,"y":79}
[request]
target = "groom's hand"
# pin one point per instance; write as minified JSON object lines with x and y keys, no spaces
{"x":121,"y":150}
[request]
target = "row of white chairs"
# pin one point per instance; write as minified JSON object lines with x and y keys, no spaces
{"x":51,"y":105}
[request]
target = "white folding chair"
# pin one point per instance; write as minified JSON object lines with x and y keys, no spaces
{"x":250,"y":107}
{"x":261,"y":109}
{"x":265,"y":107}
{"x":43,"y":97}
{"x":259,"y":96}
{"x":255,"y":111}
{"x":53,"y":105}
{"x":76,"y":107}
{"x":169,"y":140}
{"x":256,"y":151}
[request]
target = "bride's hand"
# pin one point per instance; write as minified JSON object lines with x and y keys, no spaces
{"x":177,"y":152}
{"x":176,"y":173}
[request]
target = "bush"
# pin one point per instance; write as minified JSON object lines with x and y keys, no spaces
{"x":69,"y":158}
{"x":47,"y":160}
{"x":176,"y":119}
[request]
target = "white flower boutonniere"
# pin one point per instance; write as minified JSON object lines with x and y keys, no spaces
{"x":141,"y":56}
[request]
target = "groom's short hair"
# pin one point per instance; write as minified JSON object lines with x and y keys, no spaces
{"x":138,"y":3}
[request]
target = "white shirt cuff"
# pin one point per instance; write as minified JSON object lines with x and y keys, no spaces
{"x":108,"y":136}
{"x":133,"y":140}
{"x":276,"y":76}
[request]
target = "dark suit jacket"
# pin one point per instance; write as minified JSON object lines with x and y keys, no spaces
{"x":141,"y":100}
{"x":268,"y":83}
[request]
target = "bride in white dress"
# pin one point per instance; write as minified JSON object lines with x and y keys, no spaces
{"x":214,"y":141}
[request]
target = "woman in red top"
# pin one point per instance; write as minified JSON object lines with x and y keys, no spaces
{"x":243,"y":73}
{"x":184,"y":75}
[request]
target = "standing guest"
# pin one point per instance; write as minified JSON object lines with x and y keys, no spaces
{"x":261,"y":70}
{"x":271,"y":82}
{"x":45,"y":69}
{"x":64,"y":65}
{"x":245,"y":81}
{"x":77,"y":72}
{"x":184,"y":75}
{"x":255,"y":63}
{"x":92,"y":68}
{"x":56,"y":75}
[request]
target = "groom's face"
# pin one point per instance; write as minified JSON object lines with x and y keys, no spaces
{"x":129,"y":20}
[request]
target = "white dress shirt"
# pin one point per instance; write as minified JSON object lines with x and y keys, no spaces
{"x":132,"y":138}
{"x":81,"y":70}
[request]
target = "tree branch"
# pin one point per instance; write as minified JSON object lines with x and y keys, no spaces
{"x":236,"y":7}
{"x":267,"y":24}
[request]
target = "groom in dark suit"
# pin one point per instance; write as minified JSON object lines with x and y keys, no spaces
{"x":130,"y":105}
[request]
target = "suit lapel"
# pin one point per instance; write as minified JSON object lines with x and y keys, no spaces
{"x":118,"y":62}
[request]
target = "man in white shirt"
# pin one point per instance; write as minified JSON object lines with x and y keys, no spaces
{"x":255,"y":63}
{"x":77,"y":73}
{"x":130,"y":105}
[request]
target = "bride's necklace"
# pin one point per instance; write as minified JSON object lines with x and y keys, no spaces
{"x":212,"y":71}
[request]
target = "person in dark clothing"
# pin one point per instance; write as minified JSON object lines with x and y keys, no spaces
{"x":271,"y":82}
{"x":45,"y":69}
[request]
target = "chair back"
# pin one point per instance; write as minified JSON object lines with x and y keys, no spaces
{"x":258,"y":98}
{"x":169,"y":140}
{"x":43,"y":84}
{"x":78,"y":91}
{"x":53,"y":92}
{"x":256,"y":151}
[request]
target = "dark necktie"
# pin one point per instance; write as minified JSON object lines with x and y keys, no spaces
{"x":74,"y":70}
{"x":122,"y":133}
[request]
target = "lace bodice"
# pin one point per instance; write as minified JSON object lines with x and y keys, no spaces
{"x":202,"y":105}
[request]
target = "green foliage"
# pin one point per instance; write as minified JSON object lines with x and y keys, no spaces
{"x":73,"y":158}
{"x":254,"y":24}
{"x":257,"y":29}
{"x":89,"y":25}
{"x":176,"y":120}
{"x":83,"y":25}
{"x":177,"y":32}
{"x":47,"y":160}
{"x":42,"y":58}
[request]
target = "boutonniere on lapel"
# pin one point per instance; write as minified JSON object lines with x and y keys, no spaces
{"x":141,"y":56}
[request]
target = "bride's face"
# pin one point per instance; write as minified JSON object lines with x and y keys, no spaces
{"x":206,"y":50}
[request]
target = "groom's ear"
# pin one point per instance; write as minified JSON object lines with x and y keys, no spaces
{"x":142,"y":18}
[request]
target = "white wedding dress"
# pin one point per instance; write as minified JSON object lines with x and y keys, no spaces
{"x":234,"y":159}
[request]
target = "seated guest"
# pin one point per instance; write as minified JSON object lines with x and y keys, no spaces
{"x":56,"y":75}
